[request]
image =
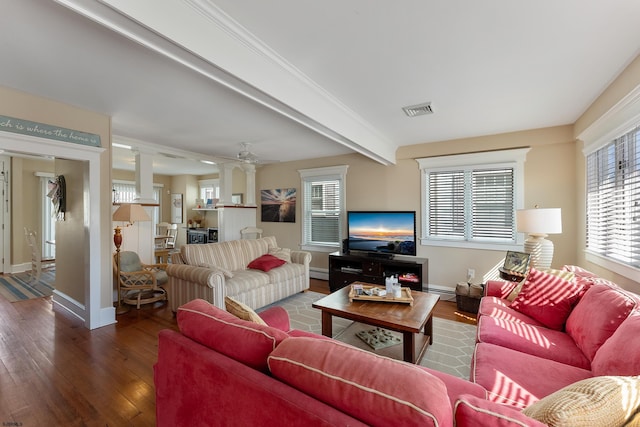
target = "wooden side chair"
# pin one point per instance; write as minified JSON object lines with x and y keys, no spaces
{"x":160,"y":240}
{"x":172,"y":232}
{"x":251,"y":233}
{"x":139,"y":283}
{"x":38,"y":262}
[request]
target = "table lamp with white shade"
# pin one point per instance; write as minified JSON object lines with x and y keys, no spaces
{"x":539,"y":223}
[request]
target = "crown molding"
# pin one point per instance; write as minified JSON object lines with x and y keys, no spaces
{"x":618,"y":120}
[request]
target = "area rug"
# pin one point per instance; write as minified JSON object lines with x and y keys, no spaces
{"x":20,"y":287}
{"x":451,"y":351}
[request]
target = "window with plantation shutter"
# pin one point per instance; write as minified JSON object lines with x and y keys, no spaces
{"x":613,"y":200}
{"x":323,"y":207}
{"x":446,"y":204}
{"x":492,"y":204}
{"x":471,"y":199}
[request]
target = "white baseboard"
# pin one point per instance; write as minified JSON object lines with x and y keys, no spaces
{"x":20,"y":268}
{"x":319,"y":273}
{"x":64,"y":301}
{"x":446,"y":293}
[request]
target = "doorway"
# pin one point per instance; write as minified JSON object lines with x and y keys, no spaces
{"x":5,"y":215}
{"x":95,"y":307}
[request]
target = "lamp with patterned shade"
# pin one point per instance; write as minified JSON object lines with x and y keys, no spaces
{"x":539,"y":223}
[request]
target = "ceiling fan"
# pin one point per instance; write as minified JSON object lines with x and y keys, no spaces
{"x":247,"y":156}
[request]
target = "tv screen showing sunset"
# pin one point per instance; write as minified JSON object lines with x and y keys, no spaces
{"x":391,"y":232}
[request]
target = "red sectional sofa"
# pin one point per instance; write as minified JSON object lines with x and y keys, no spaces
{"x":223,"y":371}
{"x":526,"y":353}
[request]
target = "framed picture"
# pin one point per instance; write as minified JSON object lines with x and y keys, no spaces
{"x":236,"y":199}
{"x":278,"y":205}
{"x":176,"y":208}
{"x":516,"y":263}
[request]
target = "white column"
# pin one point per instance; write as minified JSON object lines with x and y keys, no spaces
{"x":250,"y":172}
{"x":144,"y":193}
{"x":226,"y":183}
{"x":144,"y":176}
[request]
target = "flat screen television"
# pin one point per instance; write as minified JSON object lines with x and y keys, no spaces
{"x":382,"y":233}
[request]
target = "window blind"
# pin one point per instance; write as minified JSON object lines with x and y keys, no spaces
{"x":472,"y":204}
{"x":446,"y":204}
{"x":492,"y":204}
{"x":613,"y":199}
{"x":322,"y":225}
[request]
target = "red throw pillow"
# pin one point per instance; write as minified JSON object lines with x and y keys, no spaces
{"x":547,"y":298}
{"x":266,"y":262}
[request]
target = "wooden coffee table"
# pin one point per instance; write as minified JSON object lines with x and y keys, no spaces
{"x":414,"y":322}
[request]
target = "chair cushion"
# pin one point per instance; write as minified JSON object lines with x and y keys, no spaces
{"x":613,"y":357}
{"x":598,"y":314}
{"x":536,"y":340}
{"x":547,"y":298}
{"x":472,"y":411}
{"x":247,"y":342}
{"x":244,"y":281}
{"x":129,"y":261}
{"x":286,"y":272}
{"x":520,"y":379}
{"x":161,"y":277}
{"x":376,"y":390}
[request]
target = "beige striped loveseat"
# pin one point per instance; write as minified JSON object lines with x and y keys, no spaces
{"x":216,"y":270}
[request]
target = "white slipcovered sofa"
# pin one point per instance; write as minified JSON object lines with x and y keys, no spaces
{"x":215,"y":270}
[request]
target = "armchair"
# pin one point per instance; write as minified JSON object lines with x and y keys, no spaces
{"x":139,"y":283}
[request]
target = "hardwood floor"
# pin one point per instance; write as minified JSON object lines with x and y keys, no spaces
{"x":53,"y":371}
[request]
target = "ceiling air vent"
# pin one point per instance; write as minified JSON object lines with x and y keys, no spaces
{"x":418,"y":110}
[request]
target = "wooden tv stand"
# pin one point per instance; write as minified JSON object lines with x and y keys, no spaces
{"x":346,"y":268}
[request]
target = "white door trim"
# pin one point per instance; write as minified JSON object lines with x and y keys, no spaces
{"x":93,"y":311}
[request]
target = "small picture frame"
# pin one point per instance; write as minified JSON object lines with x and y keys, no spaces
{"x":176,"y":208}
{"x":516,"y":263}
{"x":236,"y":199}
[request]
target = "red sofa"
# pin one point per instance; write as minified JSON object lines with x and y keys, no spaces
{"x":223,"y":371}
{"x":588,"y":327}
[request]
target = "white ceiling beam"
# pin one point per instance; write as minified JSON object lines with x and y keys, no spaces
{"x":200,"y":36}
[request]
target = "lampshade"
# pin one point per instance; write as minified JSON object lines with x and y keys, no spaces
{"x":130,"y":212}
{"x":539,"y":221}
